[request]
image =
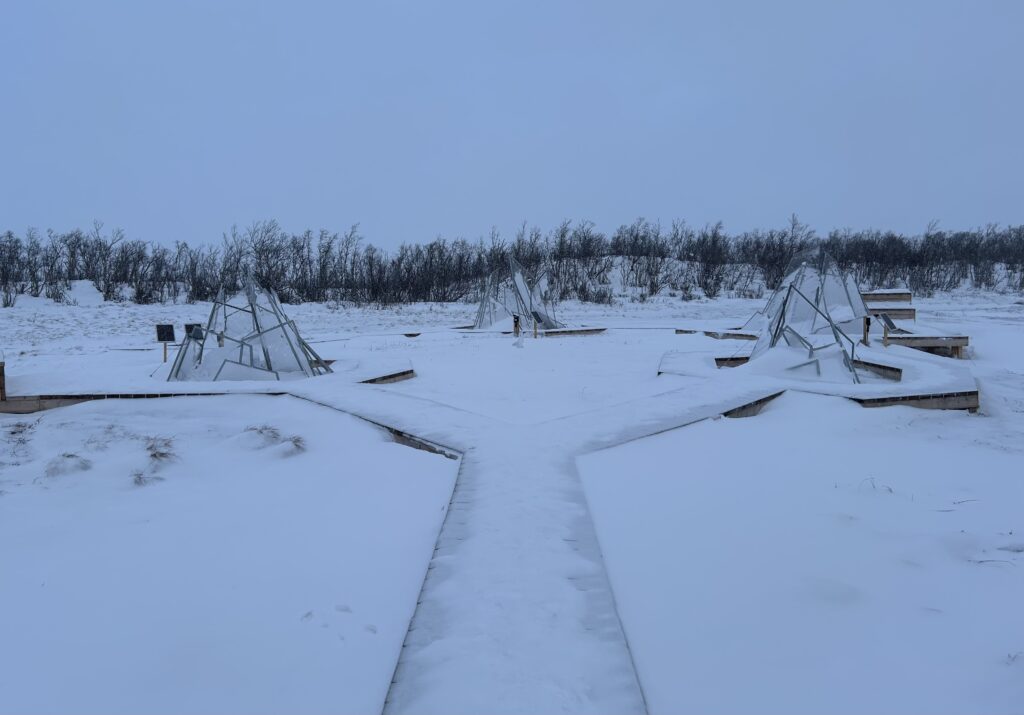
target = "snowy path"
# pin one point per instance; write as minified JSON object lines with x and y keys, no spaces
{"x":516,"y":612}
{"x":516,"y":600}
{"x":516,"y":609}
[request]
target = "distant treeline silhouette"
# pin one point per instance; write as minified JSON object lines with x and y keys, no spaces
{"x":639,"y":259}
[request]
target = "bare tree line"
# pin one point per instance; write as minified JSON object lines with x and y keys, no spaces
{"x":579,"y":260}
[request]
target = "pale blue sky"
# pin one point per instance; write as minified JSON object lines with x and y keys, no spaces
{"x":179,"y":119}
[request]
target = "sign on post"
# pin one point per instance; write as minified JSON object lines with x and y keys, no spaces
{"x":165,"y":334}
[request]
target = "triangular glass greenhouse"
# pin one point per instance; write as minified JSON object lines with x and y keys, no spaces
{"x":248,"y":337}
{"x":500,"y":300}
{"x":815,"y":307}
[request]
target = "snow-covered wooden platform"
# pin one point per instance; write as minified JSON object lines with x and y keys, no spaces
{"x":921,"y":381}
{"x":887,"y":295}
{"x":951,"y":345}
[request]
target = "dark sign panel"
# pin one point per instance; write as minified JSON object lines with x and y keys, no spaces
{"x":194,"y":330}
{"x":165,"y":333}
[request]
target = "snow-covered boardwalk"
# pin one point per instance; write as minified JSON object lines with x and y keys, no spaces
{"x":516,"y":612}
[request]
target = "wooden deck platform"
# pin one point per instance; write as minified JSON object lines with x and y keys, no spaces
{"x":559,"y":332}
{"x":966,"y":400}
{"x":24,"y":405}
{"x":28,"y":404}
{"x":571,"y":332}
{"x":969,"y":400}
{"x":893,"y":312}
{"x":887,"y":371}
{"x":948,"y":345}
{"x":887,"y":295}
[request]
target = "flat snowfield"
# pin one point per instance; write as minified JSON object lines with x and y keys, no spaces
{"x":222,"y":554}
{"x":603,"y":542}
{"x":875,"y":547}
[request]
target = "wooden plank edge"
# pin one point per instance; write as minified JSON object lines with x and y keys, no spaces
{"x":894,"y":313}
{"x":407,"y":440}
{"x":751,"y":408}
{"x":969,"y":400}
{"x":571,"y":332}
{"x":732,"y":361}
{"x":27,"y":404}
{"x":887,"y":371}
{"x":391,"y":377}
{"x":729,"y":335}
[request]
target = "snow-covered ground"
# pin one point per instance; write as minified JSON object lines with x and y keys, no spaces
{"x":818,"y":557}
{"x":222,"y":554}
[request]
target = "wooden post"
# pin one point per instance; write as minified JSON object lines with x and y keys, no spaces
{"x":165,"y":351}
{"x":535,"y":327}
{"x":867,"y":330}
{"x":885,"y":335}
{"x":3,"y":382}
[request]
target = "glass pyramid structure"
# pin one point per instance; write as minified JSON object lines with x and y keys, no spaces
{"x":500,"y":300}
{"x":247,"y":337}
{"x":814,"y":308}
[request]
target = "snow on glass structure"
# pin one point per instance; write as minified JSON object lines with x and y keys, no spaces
{"x":248,"y":337}
{"x":500,"y":300}
{"x":492,"y":310}
{"x":814,"y":309}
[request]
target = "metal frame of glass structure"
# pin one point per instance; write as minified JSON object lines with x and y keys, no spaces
{"x":251,"y":338}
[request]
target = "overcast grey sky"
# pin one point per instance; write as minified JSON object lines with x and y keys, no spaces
{"x":175,"y":120}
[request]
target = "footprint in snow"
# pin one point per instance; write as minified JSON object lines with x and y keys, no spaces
{"x":372,"y":629}
{"x":342,"y":608}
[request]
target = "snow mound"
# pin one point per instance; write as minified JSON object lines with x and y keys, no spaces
{"x":84,"y":293}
